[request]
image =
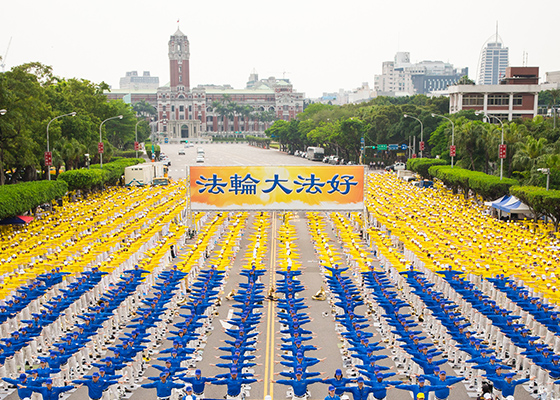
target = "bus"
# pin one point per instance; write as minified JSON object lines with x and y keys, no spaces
{"x":315,"y":153}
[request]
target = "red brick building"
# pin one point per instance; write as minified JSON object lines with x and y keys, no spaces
{"x":185,"y":112}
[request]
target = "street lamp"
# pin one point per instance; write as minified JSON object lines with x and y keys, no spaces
{"x":501,"y":143}
{"x":545,"y":171}
{"x":2,"y":112}
{"x":47,"y":154}
{"x":136,"y":136}
{"x":452,"y":148}
{"x":421,"y":132}
{"x":100,"y":147}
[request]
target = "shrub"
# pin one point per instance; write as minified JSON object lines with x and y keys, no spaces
{"x":21,"y":197}
{"x":540,"y":201}
{"x":489,"y":187}
{"x":97,"y":177}
{"x":422,"y":165}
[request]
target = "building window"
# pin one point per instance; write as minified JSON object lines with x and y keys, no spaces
{"x":181,"y":108}
{"x":180,"y":68}
{"x":165,"y":128}
{"x":190,"y":108}
{"x":181,"y":116}
{"x":163,"y":108}
{"x":517,"y":100}
{"x":180,"y":78}
{"x":498,"y":99}
{"x":172,"y":108}
{"x":473,"y":100}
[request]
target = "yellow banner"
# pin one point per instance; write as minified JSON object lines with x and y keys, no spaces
{"x":336,"y":187}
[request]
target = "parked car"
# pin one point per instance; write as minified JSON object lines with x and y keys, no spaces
{"x":181,"y":152}
{"x":333,"y":160}
{"x":200,"y":158}
{"x":396,"y":166}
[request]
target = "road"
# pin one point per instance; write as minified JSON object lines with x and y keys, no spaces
{"x":226,"y":154}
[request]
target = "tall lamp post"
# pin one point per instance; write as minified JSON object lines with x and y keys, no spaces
{"x":100,"y":145}
{"x":452,"y":148}
{"x":48,"y":155}
{"x":545,"y":171}
{"x":136,"y":137}
{"x":502,"y":149}
{"x":421,"y":133}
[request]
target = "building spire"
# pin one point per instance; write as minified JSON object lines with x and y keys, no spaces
{"x":496,"y":31}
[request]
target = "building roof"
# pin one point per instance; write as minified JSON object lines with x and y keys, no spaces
{"x":240,"y":91}
{"x":178,"y":33}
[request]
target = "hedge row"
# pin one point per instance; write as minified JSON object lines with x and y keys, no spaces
{"x":541,"y":201}
{"x":19,"y":198}
{"x":489,"y":187}
{"x":97,"y":177}
{"x":219,"y":139}
{"x":422,"y":165}
{"x":259,"y":141}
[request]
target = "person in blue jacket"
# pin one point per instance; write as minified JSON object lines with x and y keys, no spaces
{"x":361,"y":391}
{"x":419,"y":388}
{"x":331,"y":394}
{"x":234,"y":383}
{"x":197,"y":381}
{"x":442,"y":384}
{"x":50,"y":392}
{"x":505,"y":384}
{"x":95,"y":385}
{"x":163,"y":386}
{"x":338,"y":381}
{"x":23,"y":388}
{"x":299,"y":384}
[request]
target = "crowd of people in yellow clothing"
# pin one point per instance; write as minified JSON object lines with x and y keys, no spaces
{"x":444,"y":229}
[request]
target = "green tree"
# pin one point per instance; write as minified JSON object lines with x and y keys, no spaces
{"x":144,"y":109}
{"x":22,"y":95}
{"x":465,"y":80}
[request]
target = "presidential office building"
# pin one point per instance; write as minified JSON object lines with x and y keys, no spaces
{"x":185,"y":112}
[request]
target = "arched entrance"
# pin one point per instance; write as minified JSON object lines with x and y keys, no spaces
{"x":184,"y":131}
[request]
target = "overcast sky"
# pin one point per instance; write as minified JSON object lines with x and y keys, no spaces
{"x":320,"y":45}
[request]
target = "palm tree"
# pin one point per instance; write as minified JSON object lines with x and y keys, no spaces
{"x":513,"y":134}
{"x":555,"y":94}
{"x":530,"y":152}
{"x":71,"y":152}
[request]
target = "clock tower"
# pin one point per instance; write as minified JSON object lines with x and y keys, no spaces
{"x":179,"y":54}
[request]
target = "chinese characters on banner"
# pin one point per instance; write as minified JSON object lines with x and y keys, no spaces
{"x":277,"y":188}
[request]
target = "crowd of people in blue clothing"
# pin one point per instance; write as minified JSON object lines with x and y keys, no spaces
{"x":74,"y":341}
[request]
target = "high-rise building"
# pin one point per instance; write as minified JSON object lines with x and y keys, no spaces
{"x":494,"y":59}
{"x":401,"y":77}
{"x":133,"y":81}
